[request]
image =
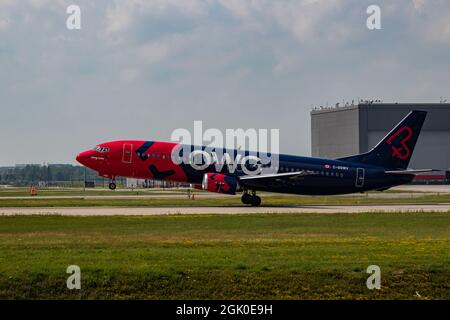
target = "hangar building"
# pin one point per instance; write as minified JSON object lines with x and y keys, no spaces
{"x":342,"y":131}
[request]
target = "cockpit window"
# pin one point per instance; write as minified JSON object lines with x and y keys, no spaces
{"x":101,"y":149}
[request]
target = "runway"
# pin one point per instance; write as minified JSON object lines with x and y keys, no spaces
{"x":406,"y":191}
{"x":133,"y":211}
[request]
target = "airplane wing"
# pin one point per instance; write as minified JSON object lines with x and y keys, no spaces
{"x":417,"y":171}
{"x":276,"y":178}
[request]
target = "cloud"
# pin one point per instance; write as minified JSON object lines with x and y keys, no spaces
{"x":439,"y":31}
{"x":118,"y":18}
{"x":155,"y":52}
{"x":39,"y":3}
{"x":4,"y":23}
{"x":141,"y":68}
{"x":304,"y":18}
{"x":120,"y":15}
{"x":418,"y":3}
{"x":244,"y":9}
{"x":6,"y":3}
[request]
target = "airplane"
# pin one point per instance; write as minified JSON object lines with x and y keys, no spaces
{"x":381,"y":168}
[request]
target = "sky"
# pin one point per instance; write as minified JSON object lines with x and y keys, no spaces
{"x":140,"y":69}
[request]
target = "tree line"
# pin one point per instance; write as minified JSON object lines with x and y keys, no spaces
{"x":29,"y":174}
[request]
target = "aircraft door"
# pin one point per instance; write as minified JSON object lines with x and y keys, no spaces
{"x":127,"y":155}
{"x":360,"y":172}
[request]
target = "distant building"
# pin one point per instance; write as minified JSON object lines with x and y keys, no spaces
{"x":134,"y":183}
{"x":353,"y":129}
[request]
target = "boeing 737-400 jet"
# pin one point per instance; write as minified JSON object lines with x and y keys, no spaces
{"x":235,"y":171}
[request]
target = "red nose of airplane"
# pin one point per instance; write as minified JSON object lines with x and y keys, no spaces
{"x":84,"y":157}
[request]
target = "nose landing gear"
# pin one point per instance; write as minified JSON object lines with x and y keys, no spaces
{"x":251,"y":199}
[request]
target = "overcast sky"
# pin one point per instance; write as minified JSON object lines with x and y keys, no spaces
{"x":138,"y":69}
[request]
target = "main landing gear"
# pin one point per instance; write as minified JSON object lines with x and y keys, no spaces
{"x":251,"y":199}
{"x":112,"y":185}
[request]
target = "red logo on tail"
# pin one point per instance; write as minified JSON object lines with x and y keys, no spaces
{"x":403,"y":151}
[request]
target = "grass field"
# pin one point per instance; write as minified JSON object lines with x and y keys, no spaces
{"x":278,"y":256}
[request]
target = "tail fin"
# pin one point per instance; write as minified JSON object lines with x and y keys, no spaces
{"x":395,"y":150}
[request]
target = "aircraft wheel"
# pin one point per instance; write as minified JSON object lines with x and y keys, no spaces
{"x":112,"y":186}
{"x":256,"y":201}
{"x":246,"y":198}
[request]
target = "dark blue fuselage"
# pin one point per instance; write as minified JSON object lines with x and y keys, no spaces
{"x":326,"y":176}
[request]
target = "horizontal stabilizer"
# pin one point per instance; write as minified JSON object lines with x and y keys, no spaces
{"x":417,"y":171}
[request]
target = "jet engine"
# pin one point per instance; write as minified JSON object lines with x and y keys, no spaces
{"x":220,"y":183}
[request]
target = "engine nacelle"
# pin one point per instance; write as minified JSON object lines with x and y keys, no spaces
{"x":220,"y":183}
